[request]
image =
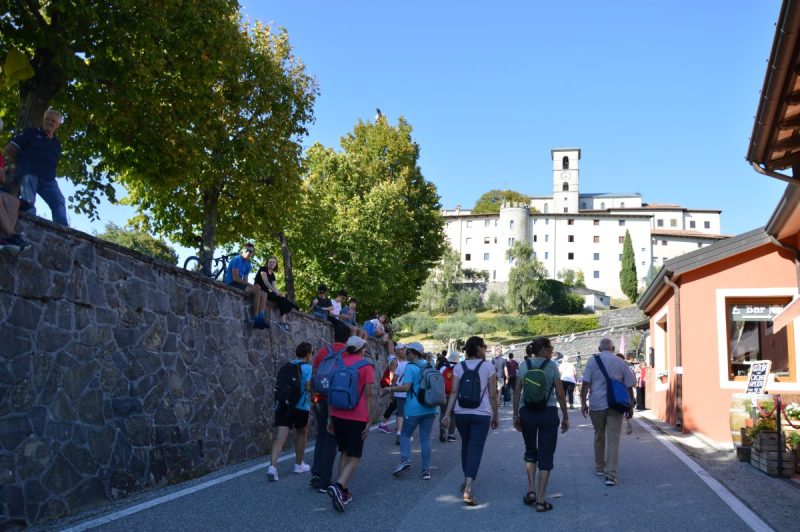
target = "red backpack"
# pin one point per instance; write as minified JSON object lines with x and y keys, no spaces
{"x":448,"y":379}
{"x":386,"y":380}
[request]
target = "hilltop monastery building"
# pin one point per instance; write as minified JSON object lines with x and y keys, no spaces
{"x":578,"y":231}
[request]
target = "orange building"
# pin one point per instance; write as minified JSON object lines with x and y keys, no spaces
{"x":716,"y":310}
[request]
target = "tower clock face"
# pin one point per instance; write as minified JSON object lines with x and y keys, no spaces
{"x":566,"y":176}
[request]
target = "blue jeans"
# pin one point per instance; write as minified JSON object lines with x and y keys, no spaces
{"x":30,"y":185}
{"x":425,"y":425}
{"x":325,"y":446}
{"x":473,"y":429}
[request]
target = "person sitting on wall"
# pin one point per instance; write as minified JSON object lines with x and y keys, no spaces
{"x":265,"y":280}
{"x":322,"y":307}
{"x":348,"y":316}
{"x":236,"y":276}
{"x":10,"y":240}
{"x":376,"y":328}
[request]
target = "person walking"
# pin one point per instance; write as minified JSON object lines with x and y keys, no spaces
{"x":399,"y":397}
{"x":606,"y":421}
{"x":295,"y":416}
{"x":447,"y":432}
{"x":325,"y":445}
{"x":475,"y":410}
{"x":416,"y":413}
{"x":351,"y":427}
{"x":568,"y":379}
{"x":537,"y":417}
{"x":500,"y":369}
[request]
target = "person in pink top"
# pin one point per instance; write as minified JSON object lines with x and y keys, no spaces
{"x":351,"y":427}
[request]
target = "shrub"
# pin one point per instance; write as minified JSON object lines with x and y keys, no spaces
{"x":545,"y":325}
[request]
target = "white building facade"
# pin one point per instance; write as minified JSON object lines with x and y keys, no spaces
{"x":579,"y":232}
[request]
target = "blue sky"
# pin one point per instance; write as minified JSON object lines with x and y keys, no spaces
{"x":660,"y":96}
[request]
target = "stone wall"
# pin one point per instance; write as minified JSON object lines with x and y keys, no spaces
{"x":119,"y":373}
{"x":621,"y":317}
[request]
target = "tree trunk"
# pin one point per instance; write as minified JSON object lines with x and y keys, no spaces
{"x":38,"y":92}
{"x":209,"y":236}
{"x":288,"y":276}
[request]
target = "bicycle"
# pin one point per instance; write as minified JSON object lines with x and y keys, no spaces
{"x":220,"y":264}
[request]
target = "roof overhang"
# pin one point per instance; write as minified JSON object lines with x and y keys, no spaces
{"x":775,"y":142}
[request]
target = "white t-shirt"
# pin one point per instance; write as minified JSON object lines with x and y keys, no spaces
{"x":568,"y":372}
{"x":337,"y":308}
{"x":401,"y":368}
{"x":486,"y":371}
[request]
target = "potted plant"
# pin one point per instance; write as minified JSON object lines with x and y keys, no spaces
{"x":663,"y":376}
{"x":793,"y":442}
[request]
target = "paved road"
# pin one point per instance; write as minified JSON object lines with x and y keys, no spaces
{"x":657,"y":491}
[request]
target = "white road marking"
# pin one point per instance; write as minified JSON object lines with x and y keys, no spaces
{"x":743,"y":512}
{"x":181,"y":493}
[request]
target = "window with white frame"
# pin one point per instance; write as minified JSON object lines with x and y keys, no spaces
{"x":485,"y":256}
{"x":751,"y":337}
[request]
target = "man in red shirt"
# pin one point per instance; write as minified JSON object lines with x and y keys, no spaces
{"x":325,"y":446}
{"x":351,"y":427}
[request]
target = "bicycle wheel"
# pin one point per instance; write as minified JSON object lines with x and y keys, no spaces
{"x":193,"y":264}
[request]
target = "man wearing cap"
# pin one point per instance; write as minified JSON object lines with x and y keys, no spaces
{"x":448,"y":433}
{"x":416,"y":413}
{"x":351,"y":427}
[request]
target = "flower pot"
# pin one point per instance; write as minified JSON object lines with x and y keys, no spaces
{"x":664,"y":379}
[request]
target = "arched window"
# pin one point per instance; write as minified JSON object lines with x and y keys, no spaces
{"x":565,"y":187}
{"x":511,"y":224}
{"x":565,"y":163}
{"x":603,"y":205}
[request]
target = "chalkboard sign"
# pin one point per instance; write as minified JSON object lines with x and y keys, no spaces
{"x":759,"y":371}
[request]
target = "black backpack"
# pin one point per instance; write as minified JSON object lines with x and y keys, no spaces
{"x":288,"y":389}
{"x":470,"y":393}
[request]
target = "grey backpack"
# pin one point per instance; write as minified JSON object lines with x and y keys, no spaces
{"x":431,"y":386}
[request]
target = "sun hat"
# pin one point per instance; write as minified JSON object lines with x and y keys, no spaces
{"x":355,"y":343}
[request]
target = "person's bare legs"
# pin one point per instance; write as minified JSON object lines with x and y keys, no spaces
{"x":530,"y":469}
{"x":9,"y":210}
{"x":544,"y":476}
{"x":347,"y":467}
{"x":277,"y":445}
{"x":300,"y":445}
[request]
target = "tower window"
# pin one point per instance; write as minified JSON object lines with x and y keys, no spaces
{"x":511,"y":224}
{"x":565,"y":187}
{"x":565,"y":163}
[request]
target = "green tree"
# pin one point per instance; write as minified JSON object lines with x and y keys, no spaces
{"x":192,"y":111}
{"x":580,"y":281}
{"x":566,"y":276}
{"x":628,"y":281}
{"x":524,"y":278}
{"x":490,"y":202}
{"x":140,"y":241}
{"x":495,"y":301}
{"x":369,"y":221}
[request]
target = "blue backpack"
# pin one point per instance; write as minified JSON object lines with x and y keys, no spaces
{"x":322,"y":378}
{"x":344,"y":391}
{"x":369,"y":327}
{"x":616,"y":392}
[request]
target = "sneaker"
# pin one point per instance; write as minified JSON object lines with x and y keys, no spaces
{"x":272,"y":474}
{"x":384,"y":427}
{"x":302,"y":468}
{"x":335,"y":494}
{"x":442,"y":436}
{"x":347,"y":497}
{"x":284,"y":327}
{"x":315,"y":481}
{"x":406,"y":464}
{"x":610,"y":482}
{"x":452,"y":437}
{"x":19,"y":241}
{"x":426,"y":475}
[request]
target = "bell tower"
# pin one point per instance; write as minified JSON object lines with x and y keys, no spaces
{"x":565,"y":179}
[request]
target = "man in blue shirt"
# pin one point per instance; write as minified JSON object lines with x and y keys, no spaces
{"x":35,"y":154}
{"x":236,"y":276}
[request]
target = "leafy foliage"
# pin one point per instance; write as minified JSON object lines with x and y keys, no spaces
{"x":490,"y":202}
{"x":415,"y":323}
{"x":139,"y":241}
{"x":524,"y":278}
{"x":566,"y":276}
{"x":495,"y":301}
{"x":627,"y":276}
{"x":368,"y":221}
{"x":546,"y":325}
{"x":580,"y":281}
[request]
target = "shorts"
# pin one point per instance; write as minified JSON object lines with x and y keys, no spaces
{"x":348,"y":436}
{"x":240,"y":286}
{"x":292,"y":418}
{"x":401,"y":406}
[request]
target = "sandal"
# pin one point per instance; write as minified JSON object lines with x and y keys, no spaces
{"x":543,"y":506}
{"x":529,"y":498}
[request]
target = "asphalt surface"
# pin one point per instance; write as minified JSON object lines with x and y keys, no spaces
{"x":656,"y":491}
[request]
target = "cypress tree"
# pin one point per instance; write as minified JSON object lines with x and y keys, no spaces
{"x":627,"y":275}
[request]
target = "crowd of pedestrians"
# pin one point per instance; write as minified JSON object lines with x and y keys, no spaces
{"x":338,"y":386}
